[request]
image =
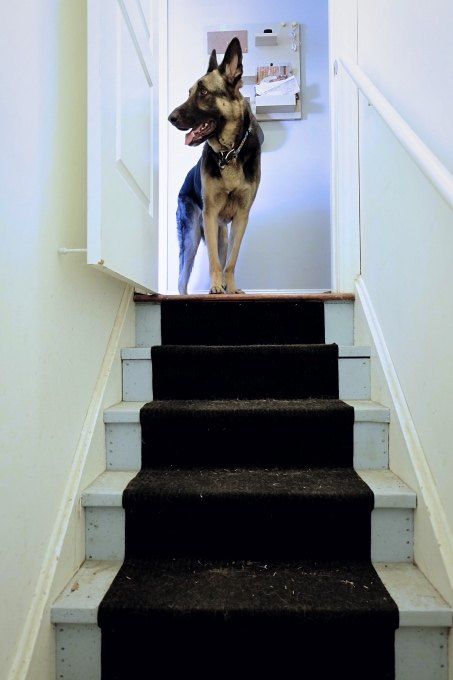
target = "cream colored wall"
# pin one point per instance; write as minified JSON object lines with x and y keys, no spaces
{"x":427,"y":553}
{"x":407,"y":241}
{"x":56,"y":313}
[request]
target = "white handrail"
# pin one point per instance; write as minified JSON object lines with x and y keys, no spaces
{"x":427,"y":161}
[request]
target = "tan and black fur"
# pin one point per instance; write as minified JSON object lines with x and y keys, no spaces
{"x":212,"y":196}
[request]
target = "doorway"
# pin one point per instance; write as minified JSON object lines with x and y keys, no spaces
{"x":287,"y":245}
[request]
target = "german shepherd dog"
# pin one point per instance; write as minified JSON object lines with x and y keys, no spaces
{"x":221,"y":188}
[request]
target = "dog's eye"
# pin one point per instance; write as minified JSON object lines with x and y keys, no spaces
{"x":203,"y":92}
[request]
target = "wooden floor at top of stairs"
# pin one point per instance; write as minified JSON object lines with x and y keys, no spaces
{"x":324,"y":297}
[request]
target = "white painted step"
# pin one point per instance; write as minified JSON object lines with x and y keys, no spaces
{"x":392,"y":521}
{"x":123,"y":435}
{"x":353,"y":373}
{"x":77,"y":635}
{"x":338,"y":321}
{"x":420,"y":642}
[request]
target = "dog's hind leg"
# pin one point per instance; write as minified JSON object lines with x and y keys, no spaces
{"x":188,"y":219}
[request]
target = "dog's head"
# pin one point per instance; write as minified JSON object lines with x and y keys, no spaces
{"x":213,"y":99}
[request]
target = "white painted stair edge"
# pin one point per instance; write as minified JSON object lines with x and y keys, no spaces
{"x":420,"y":641}
{"x":392,"y":520}
{"x":123,"y":435}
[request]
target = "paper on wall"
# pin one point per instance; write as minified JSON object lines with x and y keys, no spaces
{"x":270,"y":86}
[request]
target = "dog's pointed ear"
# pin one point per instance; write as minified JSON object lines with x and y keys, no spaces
{"x":213,"y":62}
{"x":231,"y":66}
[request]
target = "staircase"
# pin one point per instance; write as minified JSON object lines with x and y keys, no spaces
{"x":264,"y":531}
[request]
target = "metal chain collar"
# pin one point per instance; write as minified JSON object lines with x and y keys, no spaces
{"x":224,"y":158}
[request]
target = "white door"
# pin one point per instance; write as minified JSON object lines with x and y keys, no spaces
{"x":123,"y":138}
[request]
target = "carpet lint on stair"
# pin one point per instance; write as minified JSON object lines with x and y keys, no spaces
{"x":225,"y":619}
{"x":247,"y":530}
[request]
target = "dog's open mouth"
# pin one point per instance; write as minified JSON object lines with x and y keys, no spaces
{"x":197,"y":134}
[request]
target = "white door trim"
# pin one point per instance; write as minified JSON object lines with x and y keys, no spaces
{"x":160,"y":38}
{"x":344,"y":119}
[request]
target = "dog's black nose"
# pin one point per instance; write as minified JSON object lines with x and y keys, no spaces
{"x":173,"y":118}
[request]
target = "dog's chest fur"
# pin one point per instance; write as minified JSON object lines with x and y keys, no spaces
{"x":228,"y":192}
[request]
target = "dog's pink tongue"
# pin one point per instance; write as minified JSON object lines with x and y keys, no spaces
{"x":190,"y":136}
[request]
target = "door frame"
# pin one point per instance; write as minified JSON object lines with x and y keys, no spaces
{"x":345,"y":163}
{"x":344,"y":138}
{"x":160,"y":40}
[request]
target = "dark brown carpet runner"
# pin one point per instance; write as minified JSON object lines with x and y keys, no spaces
{"x":247,"y":529}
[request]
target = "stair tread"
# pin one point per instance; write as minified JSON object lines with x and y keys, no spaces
{"x":107,"y":489}
{"x":208,"y":587}
{"x":418,"y":602}
{"x":369,"y":411}
{"x":129,"y":411}
{"x":333,"y":483}
{"x":79,"y":601}
{"x":244,"y":406}
{"x":389,"y":490}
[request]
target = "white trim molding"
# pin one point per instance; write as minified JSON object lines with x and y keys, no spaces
{"x":344,"y":133}
{"x":425,"y":479}
{"x":160,"y":45}
{"x":70,"y":498}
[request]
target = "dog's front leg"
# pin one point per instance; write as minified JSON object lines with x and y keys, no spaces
{"x":211,"y":231}
{"x":237,"y":230}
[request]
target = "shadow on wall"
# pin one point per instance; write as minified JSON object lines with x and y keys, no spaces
{"x":277,"y":139}
{"x":310,"y":106}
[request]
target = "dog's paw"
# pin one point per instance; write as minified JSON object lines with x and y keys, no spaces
{"x":234,"y":291}
{"x":217,"y":290}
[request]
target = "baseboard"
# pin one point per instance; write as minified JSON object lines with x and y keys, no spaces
{"x":70,"y":498}
{"x":425,"y":479}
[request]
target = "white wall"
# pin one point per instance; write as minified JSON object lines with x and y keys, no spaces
{"x":407,"y":240}
{"x":287,"y":243}
{"x":56,"y":313}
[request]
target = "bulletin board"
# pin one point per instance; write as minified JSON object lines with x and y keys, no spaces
{"x":282,"y":46}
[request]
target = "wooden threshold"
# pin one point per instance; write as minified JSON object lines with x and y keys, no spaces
{"x":323,"y":297}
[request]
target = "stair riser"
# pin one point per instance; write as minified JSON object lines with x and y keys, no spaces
{"x":123,"y":445}
{"x":246,"y":372}
{"x":238,"y":528}
{"x":338,"y":321}
{"x":420,"y":653}
{"x":353,"y":375}
{"x":391,"y":534}
{"x":78,"y":651}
